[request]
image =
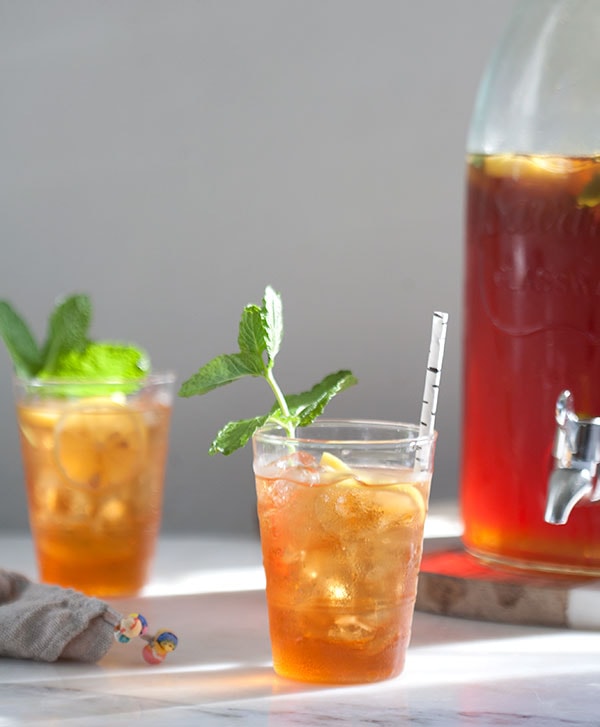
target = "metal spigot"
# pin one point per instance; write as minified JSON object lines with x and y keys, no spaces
{"x":576,"y":455}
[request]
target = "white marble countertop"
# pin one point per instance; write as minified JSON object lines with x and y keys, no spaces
{"x":211,"y":592}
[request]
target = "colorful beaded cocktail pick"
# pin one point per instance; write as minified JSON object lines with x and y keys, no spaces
{"x":159,"y":644}
{"x":129,"y":627}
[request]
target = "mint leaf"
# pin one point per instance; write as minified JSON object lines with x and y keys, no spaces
{"x":477,"y":160}
{"x":67,"y":329}
{"x":306,"y":407}
{"x":236,"y":434}
{"x":251,"y":336}
{"x":22,"y":347}
{"x":590,"y":194}
{"x":272,"y":315}
{"x":99,"y":360}
{"x":223,"y":370}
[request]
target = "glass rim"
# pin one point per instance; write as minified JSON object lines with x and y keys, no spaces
{"x":152,"y":377}
{"x":273,"y":432}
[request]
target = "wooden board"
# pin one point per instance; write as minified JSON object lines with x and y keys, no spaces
{"x":453,"y":583}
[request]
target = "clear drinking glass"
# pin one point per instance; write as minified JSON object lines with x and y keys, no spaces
{"x":94,"y":457}
{"x":341,"y":508}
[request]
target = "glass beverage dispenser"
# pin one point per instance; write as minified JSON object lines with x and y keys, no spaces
{"x":532,"y":299}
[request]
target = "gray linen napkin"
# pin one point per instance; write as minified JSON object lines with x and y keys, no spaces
{"x":47,"y":623}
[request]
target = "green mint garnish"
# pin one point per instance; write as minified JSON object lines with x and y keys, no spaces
{"x":68,"y":352}
{"x":67,"y":330}
{"x":259,"y":340}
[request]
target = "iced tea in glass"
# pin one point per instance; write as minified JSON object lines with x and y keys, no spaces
{"x":94,"y":457}
{"x":341,"y":508}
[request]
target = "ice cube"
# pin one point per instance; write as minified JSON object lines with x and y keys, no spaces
{"x":77,"y":503}
{"x":111,"y":511}
{"x":349,"y":628}
{"x":53,"y":498}
{"x":274,"y":494}
{"x":46,"y":490}
{"x":296,"y":466}
{"x":346,"y":510}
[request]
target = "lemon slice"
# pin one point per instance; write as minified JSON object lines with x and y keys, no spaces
{"x":39,"y":416}
{"x":409,"y":504}
{"x":100,"y":444}
{"x":37,"y":425}
{"x":333,"y":463}
{"x":396,"y":501}
{"x":535,"y":167}
{"x":334,"y":470}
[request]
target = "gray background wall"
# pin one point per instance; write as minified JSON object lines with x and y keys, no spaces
{"x":172,"y":157}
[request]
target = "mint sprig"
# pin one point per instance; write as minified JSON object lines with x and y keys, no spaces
{"x":67,"y":330}
{"x":259,"y":339}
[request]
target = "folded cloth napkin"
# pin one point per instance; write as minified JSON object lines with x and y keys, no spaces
{"x":47,"y":623}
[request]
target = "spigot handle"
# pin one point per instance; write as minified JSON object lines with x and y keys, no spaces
{"x":565,"y":434}
{"x":565,"y":408}
{"x":576,"y":453}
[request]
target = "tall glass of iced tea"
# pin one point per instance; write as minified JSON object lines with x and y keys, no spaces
{"x":341,"y":508}
{"x":94,"y":457}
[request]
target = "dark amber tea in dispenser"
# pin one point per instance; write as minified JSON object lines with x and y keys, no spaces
{"x":532,"y":321}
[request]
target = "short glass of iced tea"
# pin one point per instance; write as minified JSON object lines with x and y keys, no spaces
{"x":94,"y":455}
{"x":341,"y":509}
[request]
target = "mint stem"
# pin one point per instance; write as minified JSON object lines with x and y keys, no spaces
{"x":289,"y":427}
